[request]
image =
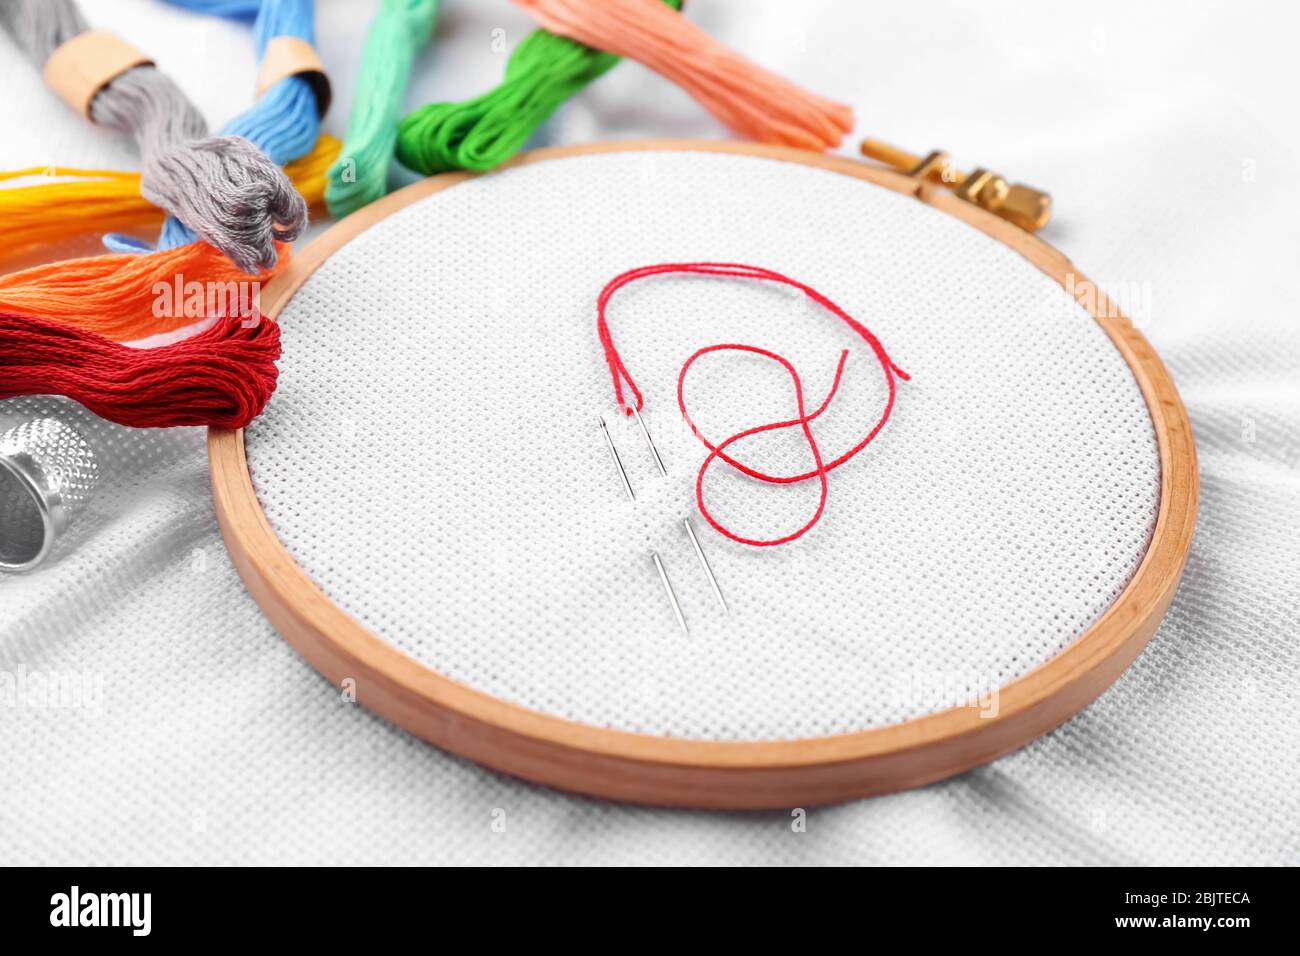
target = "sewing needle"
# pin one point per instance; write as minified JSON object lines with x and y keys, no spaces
{"x":618,"y":462}
{"x":704,"y":563}
{"x":650,"y":442}
{"x":668,"y":589}
{"x":686,"y":522}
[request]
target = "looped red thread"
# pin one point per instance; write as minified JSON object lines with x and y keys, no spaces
{"x":619,"y":374}
{"x":717,"y":452}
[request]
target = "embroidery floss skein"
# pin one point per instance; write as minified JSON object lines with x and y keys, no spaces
{"x":69,"y":202}
{"x":284,"y":123}
{"x":119,"y":296}
{"x":221,"y":377}
{"x":223,"y":187}
{"x":483,"y":132}
{"x":619,"y":375}
{"x":360,"y":176}
{"x":748,"y":99}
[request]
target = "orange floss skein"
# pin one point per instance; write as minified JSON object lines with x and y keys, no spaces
{"x":748,"y":99}
{"x":126,"y":297}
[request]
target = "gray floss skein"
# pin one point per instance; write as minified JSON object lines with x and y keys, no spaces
{"x":223,"y":187}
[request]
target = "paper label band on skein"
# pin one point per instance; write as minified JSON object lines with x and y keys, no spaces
{"x":291,"y":56}
{"x":81,"y":67}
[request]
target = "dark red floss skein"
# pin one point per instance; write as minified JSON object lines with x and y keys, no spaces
{"x":222,"y":377}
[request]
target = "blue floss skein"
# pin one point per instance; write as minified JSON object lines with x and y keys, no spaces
{"x":228,"y":9}
{"x":285,"y":121}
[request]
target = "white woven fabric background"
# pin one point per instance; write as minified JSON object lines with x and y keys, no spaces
{"x":432,"y":456}
{"x":1175,"y":178}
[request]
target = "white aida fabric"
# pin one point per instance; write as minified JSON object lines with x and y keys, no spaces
{"x":206,"y":739}
{"x":433,"y":458}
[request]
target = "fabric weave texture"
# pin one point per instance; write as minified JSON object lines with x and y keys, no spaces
{"x":216,"y":743}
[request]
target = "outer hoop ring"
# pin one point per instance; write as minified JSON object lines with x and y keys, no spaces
{"x":720,"y":774}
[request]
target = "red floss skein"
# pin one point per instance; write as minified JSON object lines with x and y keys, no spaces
{"x":718,"y":452}
{"x":222,"y":377}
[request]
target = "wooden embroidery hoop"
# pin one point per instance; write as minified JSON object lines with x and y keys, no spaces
{"x":720,"y":774}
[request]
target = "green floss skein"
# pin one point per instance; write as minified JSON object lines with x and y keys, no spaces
{"x":360,"y":174}
{"x":542,"y":72}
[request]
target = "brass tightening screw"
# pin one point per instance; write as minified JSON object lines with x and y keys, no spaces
{"x":1023,"y":205}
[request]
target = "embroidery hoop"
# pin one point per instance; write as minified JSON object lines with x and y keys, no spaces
{"x":720,"y":774}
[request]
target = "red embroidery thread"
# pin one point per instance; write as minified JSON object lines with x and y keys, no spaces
{"x":619,"y":374}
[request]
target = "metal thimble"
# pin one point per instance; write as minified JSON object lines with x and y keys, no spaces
{"x":47,"y":473}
